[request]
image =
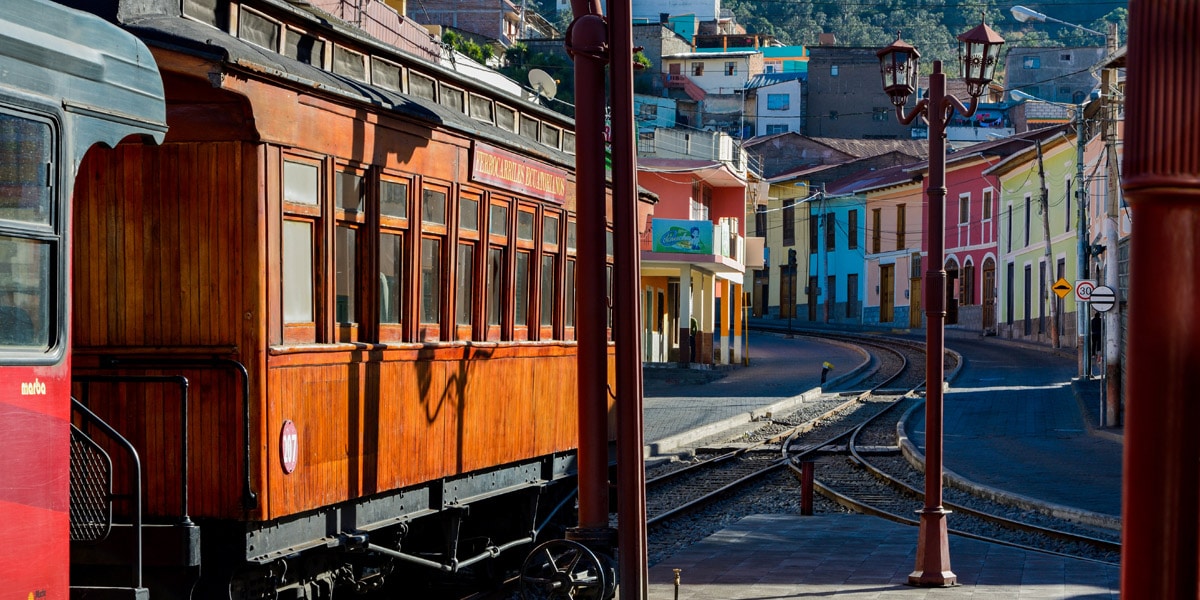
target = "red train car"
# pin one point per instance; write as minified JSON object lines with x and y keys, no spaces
{"x":71,"y":81}
{"x":332,"y":312}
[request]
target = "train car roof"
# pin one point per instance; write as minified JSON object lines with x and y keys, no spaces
{"x":105,"y":79}
{"x":192,"y":37}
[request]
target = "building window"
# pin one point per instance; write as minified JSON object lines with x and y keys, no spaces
{"x":648,"y":111}
{"x":774,"y":129}
{"x":876,"y":234}
{"x":830,"y":232}
{"x":789,"y":222}
{"x":879,"y":113}
{"x":760,"y":221}
{"x":697,"y":69}
{"x":900,"y":225}
{"x":730,"y":68}
{"x":833,"y":115}
{"x":852,"y":230}
{"x":814,"y":234}
{"x":1032,"y":62}
{"x":1028,"y":206}
{"x":964,"y":209}
{"x":987,"y":205}
{"x":779,"y":101}
{"x":833,"y":70}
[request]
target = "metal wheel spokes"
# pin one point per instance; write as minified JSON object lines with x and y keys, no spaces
{"x":560,"y":569}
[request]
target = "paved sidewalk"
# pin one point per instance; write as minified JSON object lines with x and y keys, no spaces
{"x":685,"y":405}
{"x":863,"y":558}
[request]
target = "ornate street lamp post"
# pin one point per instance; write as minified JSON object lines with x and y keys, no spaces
{"x":978,"y":54}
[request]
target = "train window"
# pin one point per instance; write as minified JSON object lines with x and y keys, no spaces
{"x":257,"y":29}
{"x":206,"y":11}
{"x":550,"y":230}
{"x":529,"y":127}
{"x":433,"y":207}
{"x":497,"y":264}
{"x":349,"y":191}
{"x":422,"y":86}
{"x":547,"y":294}
{"x":521,"y":295}
{"x":431,"y":287}
{"x":387,"y":75}
{"x":345,"y":257}
{"x":25,"y":278}
{"x":25,"y":157}
{"x":452,"y":98}
{"x":525,"y":225}
{"x":393,"y":199}
{"x":297,"y":271}
{"x":569,"y":306}
{"x":551,"y":135}
{"x":301,"y":244}
{"x":300,"y":182}
{"x":569,"y":284}
{"x":498,"y":220}
{"x":465,"y":288}
{"x":495,"y":291}
{"x":349,"y":196}
{"x":506,"y":118}
{"x":468,"y":214}
{"x":303,"y":47}
{"x":568,"y":145}
{"x":433,"y":244}
{"x":393,"y":224}
{"x":349,"y":63}
{"x":481,"y":108}
{"x":391,"y":282}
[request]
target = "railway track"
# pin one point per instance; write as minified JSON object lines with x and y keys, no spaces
{"x":859,"y":466}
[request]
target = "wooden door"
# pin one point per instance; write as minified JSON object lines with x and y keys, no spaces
{"x":989,"y":295}
{"x":887,"y":293}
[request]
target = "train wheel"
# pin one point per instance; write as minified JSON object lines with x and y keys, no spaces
{"x":565,"y":569}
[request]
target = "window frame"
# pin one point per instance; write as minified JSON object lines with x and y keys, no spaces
{"x":497,"y":292}
{"x":431,"y":231}
{"x":394,"y":332}
{"x":553,"y":297}
{"x":471,"y":239}
{"x":305,"y":332}
{"x":528,"y":247}
{"x":355,"y":220}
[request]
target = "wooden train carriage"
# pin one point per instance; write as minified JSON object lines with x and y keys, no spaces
{"x":389,"y":254}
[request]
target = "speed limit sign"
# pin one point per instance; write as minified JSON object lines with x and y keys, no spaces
{"x":1083,"y":289}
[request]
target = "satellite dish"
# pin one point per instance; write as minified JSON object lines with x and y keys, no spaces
{"x":543,"y":84}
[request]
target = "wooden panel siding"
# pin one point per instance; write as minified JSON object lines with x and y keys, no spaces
{"x":157,"y":246}
{"x":387,"y":419}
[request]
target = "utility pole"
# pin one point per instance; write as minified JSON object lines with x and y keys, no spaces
{"x":1112,"y":318}
{"x":1044,"y":202}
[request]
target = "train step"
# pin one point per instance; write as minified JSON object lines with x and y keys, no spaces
{"x":109,"y":593}
{"x":106,"y":570}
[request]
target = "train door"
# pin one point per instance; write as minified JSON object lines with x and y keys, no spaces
{"x":41,"y":143}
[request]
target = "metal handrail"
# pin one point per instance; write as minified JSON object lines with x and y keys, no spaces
{"x":183,"y":418}
{"x":136,"y":480}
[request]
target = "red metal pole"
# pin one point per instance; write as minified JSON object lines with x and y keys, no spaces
{"x":933,"y":547}
{"x":587,"y":44}
{"x":1161,"y":491}
{"x":631,"y":474}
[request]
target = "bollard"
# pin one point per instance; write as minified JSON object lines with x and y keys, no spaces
{"x":806,"y":488}
{"x":677,"y":571}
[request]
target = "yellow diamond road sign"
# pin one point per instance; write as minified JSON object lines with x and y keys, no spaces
{"x":1062,"y":287}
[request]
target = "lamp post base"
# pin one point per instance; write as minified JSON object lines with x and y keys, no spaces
{"x":933,"y":552}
